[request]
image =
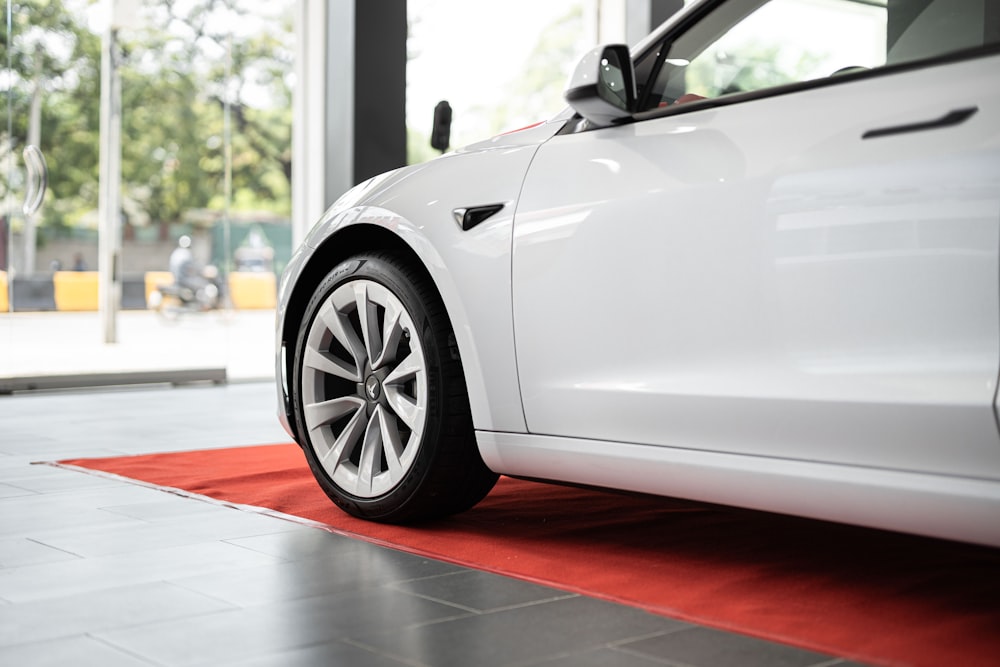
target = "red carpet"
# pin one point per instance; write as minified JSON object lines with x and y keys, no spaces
{"x":868,"y":595}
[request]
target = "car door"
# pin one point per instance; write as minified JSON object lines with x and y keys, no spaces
{"x":803,"y":266}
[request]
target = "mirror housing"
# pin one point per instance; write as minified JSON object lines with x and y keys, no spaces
{"x":602,"y":88}
{"x":441,"y":131}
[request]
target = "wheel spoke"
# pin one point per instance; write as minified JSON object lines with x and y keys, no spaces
{"x":368,"y":316}
{"x":327,"y":363}
{"x":408,"y":369}
{"x":371,"y":450}
{"x":392,"y":446}
{"x":327,"y":412}
{"x":392,"y":332}
{"x":338,"y":325}
{"x":345,"y":444}
{"x":409,"y":410}
{"x":318,"y":415}
{"x":405,"y":408}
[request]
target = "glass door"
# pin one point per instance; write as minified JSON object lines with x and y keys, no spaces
{"x":177,"y":117}
{"x":6,"y":120}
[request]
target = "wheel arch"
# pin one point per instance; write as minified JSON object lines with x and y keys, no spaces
{"x":337,"y":247}
{"x":366,"y":237}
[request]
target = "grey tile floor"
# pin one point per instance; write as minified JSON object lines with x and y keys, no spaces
{"x":99,"y":571}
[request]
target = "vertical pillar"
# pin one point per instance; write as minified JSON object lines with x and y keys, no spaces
{"x":124,"y":14}
{"x":109,"y":200}
{"x":379,"y":87}
{"x":350,"y":100}
{"x":308,"y":116}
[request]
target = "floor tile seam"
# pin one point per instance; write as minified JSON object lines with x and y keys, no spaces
{"x":113,"y":481}
{"x":68,"y":532}
{"x":103,"y":634}
{"x":429,"y":577}
{"x":128,"y":554}
{"x":71,"y":491}
{"x":264,"y":604}
{"x":253,"y":509}
{"x":454,"y":605}
{"x":38,"y":541}
{"x":417,"y":625}
{"x":96,"y":632}
{"x":234,"y":540}
{"x":43,"y":645}
{"x":543,"y":660}
{"x":667,"y":662}
{"x":700,"y":621}
{"x":214,"y":598}
{"x":189,"y":511}
{"x":136,"y":577}
{"x":125,"y":651}
{"x":483,"y":612}
{"x":26,"y":492}
{"x":382,"y":652}
{"x":18,"y":497}
{"x":88,"y":594}
{"x":622,"y":645}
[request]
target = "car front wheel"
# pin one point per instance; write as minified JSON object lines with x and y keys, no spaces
{"x":380,"y":397}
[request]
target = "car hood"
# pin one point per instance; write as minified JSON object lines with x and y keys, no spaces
{"x":367,"y":190}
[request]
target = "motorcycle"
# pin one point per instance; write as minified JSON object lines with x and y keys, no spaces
{"x":199,"y":293}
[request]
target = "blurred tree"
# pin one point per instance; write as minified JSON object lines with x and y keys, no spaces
{"x":174,"y":92}
{"x":50,"y":56}
{"x":197,"y":69}
{"x":733,"y":67}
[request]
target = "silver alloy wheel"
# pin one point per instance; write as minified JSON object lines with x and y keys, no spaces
{"x":364,"y":388}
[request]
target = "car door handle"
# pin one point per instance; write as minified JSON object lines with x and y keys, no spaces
{"x":38,"y":179}
{"x":953,"y":117}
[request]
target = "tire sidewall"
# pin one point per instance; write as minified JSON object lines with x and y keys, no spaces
{"x":389,"y":274}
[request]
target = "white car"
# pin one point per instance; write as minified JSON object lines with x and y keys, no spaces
{"x":755,"y":263}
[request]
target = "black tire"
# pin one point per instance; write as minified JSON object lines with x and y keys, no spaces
{"x":415,"y":457}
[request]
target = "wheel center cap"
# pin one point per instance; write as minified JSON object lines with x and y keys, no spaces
{"x":373,"y":387}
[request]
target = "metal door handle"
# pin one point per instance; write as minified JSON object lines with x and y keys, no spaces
{"x":38,"y":179}
{"x":954,"y":117}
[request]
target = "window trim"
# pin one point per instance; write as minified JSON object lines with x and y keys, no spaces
{"x":885,"y":70}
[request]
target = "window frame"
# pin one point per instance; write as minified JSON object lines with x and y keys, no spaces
{"x":659,"y":49}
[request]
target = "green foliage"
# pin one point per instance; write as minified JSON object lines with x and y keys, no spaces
{"x":176,"y":90}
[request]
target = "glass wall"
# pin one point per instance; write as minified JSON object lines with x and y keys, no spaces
{"x":204,"y":117}
{"x":504,"y":68}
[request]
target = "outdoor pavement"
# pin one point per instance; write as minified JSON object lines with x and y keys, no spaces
{"x":40,"y":344}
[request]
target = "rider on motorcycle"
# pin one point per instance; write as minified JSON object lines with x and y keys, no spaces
{"x":195,"y":285}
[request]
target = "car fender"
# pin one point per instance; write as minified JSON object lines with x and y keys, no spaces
{"x":470,"y":269}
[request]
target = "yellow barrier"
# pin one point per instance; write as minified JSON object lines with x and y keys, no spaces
{"x":253,"y":290}
{"x":153,"y":279}
{"x":78,"y":290}
{"x":4,"y":304}
{"x":75,"y":290}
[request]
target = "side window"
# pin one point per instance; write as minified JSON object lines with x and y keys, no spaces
{"x":748,"y":45}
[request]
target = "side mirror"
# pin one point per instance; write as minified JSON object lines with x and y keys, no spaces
{"x":441,"y":131}
{"x":602,"y":88}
